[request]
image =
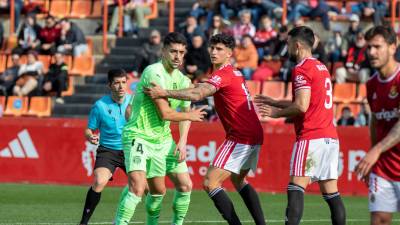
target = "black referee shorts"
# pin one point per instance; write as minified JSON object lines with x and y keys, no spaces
{"x":110,"y":159}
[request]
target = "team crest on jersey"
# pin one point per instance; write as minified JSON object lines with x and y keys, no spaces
{"x":299,"y":81}
{"x":174,"y":86}
{"x":216,"y":79}
{"x":393,"y":92}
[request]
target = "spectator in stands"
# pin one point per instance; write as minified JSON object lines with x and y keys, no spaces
{"x":72,"y":39}
{"x":49,"y":36}
{"x":150,"y":53}
{"x":190,"y":29}
{"x":228,"y":8}
{"x":375,"y":8}
{"x":246,"y":57}
{"x":318,"y":50}
{"x":28,"y":37}
{"x":356,"y":67}
{"x":218,"y":26}
{"x":244,"y":26}
{"x":138,"y":9}
{"x":334,"y":46}
{"x":1,"y":34}
{"x":346,"y":118}
{"x":263,"y":35}
{"x":311,"y":8}
{"x":10,"y":75}
{"x":363,"y":116}
{"x":29,"y":75}
{"x":56,"y":78}
{"x":272,"y":8}
{"x":204,"y":8}
{"x":5,"y":8}
{"x":197,"y":59}
{"x":350,"y":36}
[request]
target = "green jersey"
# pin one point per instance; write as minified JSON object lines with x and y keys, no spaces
{"x":145,"y":121}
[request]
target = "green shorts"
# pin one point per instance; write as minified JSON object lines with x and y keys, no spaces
{"x":156,"y":159}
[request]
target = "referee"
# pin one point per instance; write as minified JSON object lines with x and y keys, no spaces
{"x":108,"y":117}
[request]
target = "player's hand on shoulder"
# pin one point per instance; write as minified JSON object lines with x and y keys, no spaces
{"x":155,"y":91}
{"x":197,"y":115}
{"x":93,"y":139}
{"x":260,"y":100}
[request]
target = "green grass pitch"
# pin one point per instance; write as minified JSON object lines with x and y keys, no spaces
{"x":53,"y":204}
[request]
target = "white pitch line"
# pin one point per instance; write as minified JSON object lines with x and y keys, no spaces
{"x":202,"y":221}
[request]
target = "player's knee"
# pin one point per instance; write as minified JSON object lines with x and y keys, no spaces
{"x":379,"y":219}
{"x":209,"y":185}
{"x":99,"y":184}
{"x":138,"y":190}
{"x":185,"y":187}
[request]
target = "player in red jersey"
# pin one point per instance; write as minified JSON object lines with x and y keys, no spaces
{"x":244,"y":134}
{"x":381,"y":166}
{"x":315,"y":155}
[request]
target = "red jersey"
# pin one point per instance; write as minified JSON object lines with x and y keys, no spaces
{"x":317,"y":121}
{"x":234,"y":106}
{"x":384,"y":100}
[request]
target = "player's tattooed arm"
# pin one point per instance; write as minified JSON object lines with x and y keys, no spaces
{"x":196,"y":93}
{"x":391,"y":139}
{"x":199,"y":92}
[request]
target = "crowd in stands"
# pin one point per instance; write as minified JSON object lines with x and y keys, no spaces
{"x":27,"y":75}
{"x":261,"y":51}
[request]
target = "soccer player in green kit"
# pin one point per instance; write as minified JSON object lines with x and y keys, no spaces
{"x":150,"y":152}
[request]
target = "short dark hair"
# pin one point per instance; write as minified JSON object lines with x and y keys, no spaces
{"x":115,"y":73}
{"x":303,"y":34}
{"x":224,"y":39}
{"x":385,"y":31}
{"x":174,"y":38}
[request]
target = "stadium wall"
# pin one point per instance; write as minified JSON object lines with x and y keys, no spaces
{"x":55,"y":151}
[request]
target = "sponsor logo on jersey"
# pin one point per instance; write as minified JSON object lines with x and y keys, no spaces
{"x":322,"y":67}
{"x":299,"y":81}
{"x":387,"y":114}
{"x":237,"y":73}
{"x":393,"y":92}
{"x":216,"y":79}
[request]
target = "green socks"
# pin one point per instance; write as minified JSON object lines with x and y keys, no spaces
{"x":180,"y":206}
{"x":126,"y":207}
{"x":153,"y":208}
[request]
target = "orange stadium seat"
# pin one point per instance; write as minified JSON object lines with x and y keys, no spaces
{"x":39,"y":106}
{"x":81,"y":8}
{"x":22,"y":60}
{"x":362,"y":93}
{"x":254,"y":87}
{"x":3,"y":62}
{"x":96,"y":9}
{"x":89,"y":42}
{"x":45,"y":59}
{"x":71,"y":88}
{"x":154,"y":11}
{"x":16,"y":106}
{"x":354,"y":108}
{"x":59,"y":8}
{"x":2,"y":103}
{"x":11,"y":43}
{"x":274,"y":89}
{"x":345,"y":92}
{"x":83,"y":65}
{"x":289,"y":94}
